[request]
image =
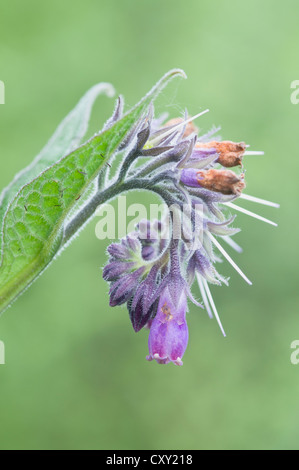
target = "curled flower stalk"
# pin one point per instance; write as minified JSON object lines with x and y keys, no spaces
{"x":153,"y":273}
{"x":151,"y":270}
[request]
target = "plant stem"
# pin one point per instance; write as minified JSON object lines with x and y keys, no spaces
{"x":100,"y":197}
{"x":126,"y":164}
{"x":156,"y":163}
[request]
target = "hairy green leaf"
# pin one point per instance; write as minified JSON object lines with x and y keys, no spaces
{"x":32,"y":228}
{"x":66,"y":138}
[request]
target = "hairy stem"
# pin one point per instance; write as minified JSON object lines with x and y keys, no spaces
{"x":128,"y":161}
{"x":103,"y":196}
{"x":153,"y":165}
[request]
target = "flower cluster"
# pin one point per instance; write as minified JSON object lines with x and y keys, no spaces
{"x":153,"y":269}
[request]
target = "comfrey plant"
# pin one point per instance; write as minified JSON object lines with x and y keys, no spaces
{"x":152,"y":269}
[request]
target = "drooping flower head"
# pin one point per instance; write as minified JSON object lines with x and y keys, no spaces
{"x":154,"y":275}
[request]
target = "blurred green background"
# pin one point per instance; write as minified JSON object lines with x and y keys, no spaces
{"x":75,"y":374}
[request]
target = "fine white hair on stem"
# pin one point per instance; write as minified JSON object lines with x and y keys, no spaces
{"x":251,"y":214}
{"x":204,"y":295}
{"x":259,"y":200}
{"x":232,"y":244}
{"x":229,"y":259}
{"x":178,"y":126}
{"x":212,"y":303}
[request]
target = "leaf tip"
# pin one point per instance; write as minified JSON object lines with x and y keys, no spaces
{"x":177,"y":72}
{"x":108,"y":89}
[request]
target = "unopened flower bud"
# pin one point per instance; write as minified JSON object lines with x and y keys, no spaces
{"x":114,"y":270}
{"x":141,"y":304}
{"x":200,"y":263}
{"x":123,"y":289}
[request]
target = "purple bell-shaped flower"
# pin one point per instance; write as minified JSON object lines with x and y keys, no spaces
{"x":168,"y":337}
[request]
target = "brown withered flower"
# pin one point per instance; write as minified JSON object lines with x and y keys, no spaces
{"x":230,"y":153}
